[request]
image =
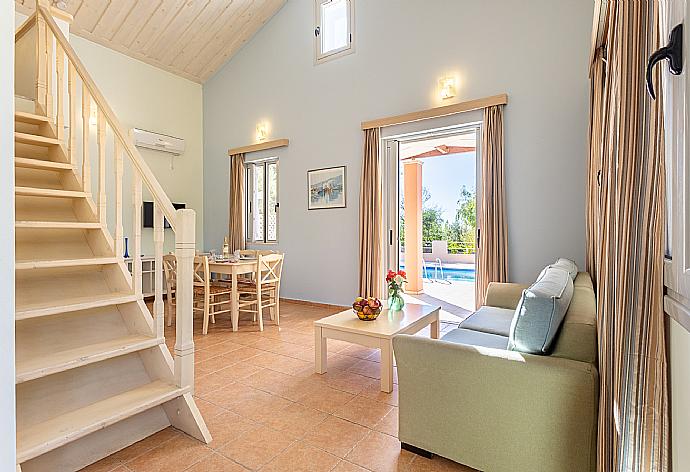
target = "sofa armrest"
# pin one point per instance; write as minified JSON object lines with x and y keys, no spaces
{"x":504,"y":295}
{"x":494,"y":409}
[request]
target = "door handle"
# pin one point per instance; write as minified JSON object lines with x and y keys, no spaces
{"x":673,"y":52}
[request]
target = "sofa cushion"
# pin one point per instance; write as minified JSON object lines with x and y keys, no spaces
{"x":577,"y":338}
{"x":568,"y":265}
{"x":476,"y":338}
{"x":540,"y":312}
{"x":489,"y":319}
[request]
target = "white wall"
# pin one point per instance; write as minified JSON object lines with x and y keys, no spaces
{"x":535,"y":51}
{"x":7,"y":412}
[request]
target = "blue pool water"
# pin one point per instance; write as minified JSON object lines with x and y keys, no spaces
{"x":449,"y":273}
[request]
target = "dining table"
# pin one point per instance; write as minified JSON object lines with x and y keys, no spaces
{"x":233,"y":269}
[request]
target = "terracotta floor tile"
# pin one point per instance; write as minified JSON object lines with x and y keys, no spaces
{"x":336,"y":435}
{"x":436,"y":464}
{"x":205,"y":384}
{"x":175,"y":455}
{"x":207,"y":409}
{"x":389,"y":423}
{"x":257,"y":447}
{"x":347,"y":381}
{"x":367,"y":368}
{"x":301,"y":457}
{"x":279,"y":363}
{"x":324,"y":398}
{"x":364,"y":411}
{"x":107,"y":464}
{"x":296,"y":420}
{"x":146,"y":445}
{"x":240,"y":370}
{"x":227,"y":427}
{"x":355,"y":350}
{"x":262,"y":407}
{"x":267,"y":380}
{"x":373,"y":391}
{"x":345,"y":466}
{"x":216,"y":463}
{"x":380,"y":453}
{"x":233,"y":395}
{"x":341,"y":362}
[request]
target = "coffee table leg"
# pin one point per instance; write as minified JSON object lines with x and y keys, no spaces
{"x":436,"y":328}
{"x":386,"y":365}
{"x":320,"y":351}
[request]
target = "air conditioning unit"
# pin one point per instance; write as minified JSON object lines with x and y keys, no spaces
{"x":158,"y":142}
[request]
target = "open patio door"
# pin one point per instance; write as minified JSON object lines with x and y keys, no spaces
{"x":391,"y":205}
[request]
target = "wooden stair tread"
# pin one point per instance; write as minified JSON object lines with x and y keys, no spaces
{"x":29,"y":163}
{"x":63,"y":429}
{"x":48,"y":192}
{"x":86,"y":302}
{"x":57,"y":224}
{"x":35,"y":139}
{"x":30,"y":118}
{"x":53,"y":263}
{"x":60,"y":361}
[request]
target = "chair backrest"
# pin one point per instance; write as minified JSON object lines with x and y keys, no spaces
{"x":202,"y":273}
{"x":268,"y":268}
{"x":170,"y":270}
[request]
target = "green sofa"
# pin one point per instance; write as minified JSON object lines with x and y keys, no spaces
{"x":468,"y":398}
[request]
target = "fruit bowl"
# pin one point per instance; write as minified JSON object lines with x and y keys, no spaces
{"x":367,"y":309}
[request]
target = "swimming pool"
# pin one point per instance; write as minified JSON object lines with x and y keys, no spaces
{"x":452,"y":274}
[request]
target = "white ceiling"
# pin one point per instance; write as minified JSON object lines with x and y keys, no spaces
{"x":190,"y":38}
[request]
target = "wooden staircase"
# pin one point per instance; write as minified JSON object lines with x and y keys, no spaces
{"x":93,"y":373}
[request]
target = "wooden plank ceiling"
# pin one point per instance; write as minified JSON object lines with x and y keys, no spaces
{"x":190,"y":38}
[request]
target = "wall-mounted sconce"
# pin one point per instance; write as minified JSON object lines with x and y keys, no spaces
{"x":262,"y":131}
{"x":446,"y":87}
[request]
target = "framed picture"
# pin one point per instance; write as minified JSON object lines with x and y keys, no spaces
{"x":326,"y":188}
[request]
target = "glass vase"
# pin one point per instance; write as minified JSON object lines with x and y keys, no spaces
{"x":395,"y":299}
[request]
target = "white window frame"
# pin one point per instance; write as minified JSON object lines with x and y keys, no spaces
{"x":320,"y":57}
{"x":249,"y":198}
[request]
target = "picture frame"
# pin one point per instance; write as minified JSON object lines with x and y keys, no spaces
{"x":327,"y":188}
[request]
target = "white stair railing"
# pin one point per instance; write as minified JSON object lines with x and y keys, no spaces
{"x":50,"y":38}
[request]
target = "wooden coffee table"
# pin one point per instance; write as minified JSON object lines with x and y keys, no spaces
{"x":378,"y":334}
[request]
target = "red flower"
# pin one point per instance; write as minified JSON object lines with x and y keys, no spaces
{"x":402,"y":273}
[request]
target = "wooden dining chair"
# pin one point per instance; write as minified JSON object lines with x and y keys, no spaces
{"x":264,"y":291}
{"x":170,"y":271}
{"x":210,"y":295}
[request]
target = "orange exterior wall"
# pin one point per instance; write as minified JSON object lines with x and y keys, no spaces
{"x":412,"y":185}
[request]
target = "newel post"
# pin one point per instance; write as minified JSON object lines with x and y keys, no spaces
{"x":184,"y":319}
{"x":41,"y":60}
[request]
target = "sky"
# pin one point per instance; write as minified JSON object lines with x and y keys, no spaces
{"x":444,"y":176}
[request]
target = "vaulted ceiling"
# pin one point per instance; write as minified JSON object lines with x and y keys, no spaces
{"x":190,"y":38}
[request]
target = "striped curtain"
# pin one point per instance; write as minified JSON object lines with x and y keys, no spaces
{"x":236,"y":239}
{"x":626,"y":243}
{"x":371,"y":219}
{"x":492,"y":247}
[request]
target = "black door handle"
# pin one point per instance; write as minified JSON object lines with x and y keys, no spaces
{"x":673,"y":52}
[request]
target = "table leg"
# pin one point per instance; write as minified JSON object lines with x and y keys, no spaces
{"x":436,"y":328}
{"x":386,"y":365}
{"x":235,"y":313}
{"x":320,"y":351}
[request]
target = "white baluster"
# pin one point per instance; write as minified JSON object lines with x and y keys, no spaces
{"x":119,"y":243}
{"x":59,"y":75}
{"x":72,"y":86}
{"x":158,"y":237}
{"x":136,"y":232}
{"x":102,"y":207}
{"x":86,"y":160}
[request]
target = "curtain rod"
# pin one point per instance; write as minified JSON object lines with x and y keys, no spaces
{"x":446,"y":110}
{"x":276,"y":143}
